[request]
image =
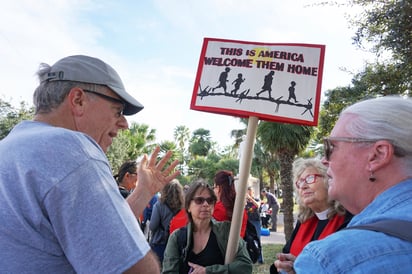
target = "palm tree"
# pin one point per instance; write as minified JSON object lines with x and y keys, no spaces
{"x":238,"y":134}
{"x":265,"y":161}
{"x":182,"y":135}
{"x":286,"y":141}
{"x":200,"y":143}
{"x":141,"y":139}
{"x":130,"y":144}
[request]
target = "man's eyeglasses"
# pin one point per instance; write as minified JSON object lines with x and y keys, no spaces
{"x":108,"y":98}
{"x":310,"y":179}
{"x":328,"y":146}
{"x":201,"y":200}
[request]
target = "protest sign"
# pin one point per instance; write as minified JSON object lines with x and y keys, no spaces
{"x":279,"y":82}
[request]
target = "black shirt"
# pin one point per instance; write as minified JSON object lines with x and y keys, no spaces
{"x":210,"y":255}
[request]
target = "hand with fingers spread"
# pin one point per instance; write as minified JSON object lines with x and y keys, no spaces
{"x":153,"y":176}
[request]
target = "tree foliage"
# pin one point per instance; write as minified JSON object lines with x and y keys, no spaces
{"x":181,"y":135}
{"x":131,"y":144}
{"x":385,"y":26}
{"x":11,"y":116}
{"x":200,"y":143}
{"x":201,"y":167}
{"x":118,"y":152}
{"x":285,"y":141}
{"x":265,"y":162}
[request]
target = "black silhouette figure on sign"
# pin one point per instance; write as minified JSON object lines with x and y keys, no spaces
{"x":292,"y":91}
{"x":267,"y":85}
{"x":238,"y":81}
{"x":223,"y":80}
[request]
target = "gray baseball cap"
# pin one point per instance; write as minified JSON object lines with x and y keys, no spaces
{"x":86,"y":69}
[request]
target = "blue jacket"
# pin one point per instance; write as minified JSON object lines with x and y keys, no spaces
{"x":365,"y":251}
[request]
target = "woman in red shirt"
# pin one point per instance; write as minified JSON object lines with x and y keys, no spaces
{"x":318,"y":216}
{"x":224,"y":187}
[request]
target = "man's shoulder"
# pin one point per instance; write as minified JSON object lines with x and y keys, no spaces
{"x":31,"y":139}
{"x":42,"y":131}
{"x":69,"y":140}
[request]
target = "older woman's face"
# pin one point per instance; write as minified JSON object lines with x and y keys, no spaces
{"x":348,"y":168}
{"x":315,"y":195}
{"x":201,"y":207}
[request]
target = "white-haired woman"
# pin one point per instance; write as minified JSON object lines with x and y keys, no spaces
{"x":318,"y":216}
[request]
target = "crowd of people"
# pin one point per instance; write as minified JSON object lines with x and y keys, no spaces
{"x":63,"y":211}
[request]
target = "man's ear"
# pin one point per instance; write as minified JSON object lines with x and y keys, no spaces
{"x":77,"y":100}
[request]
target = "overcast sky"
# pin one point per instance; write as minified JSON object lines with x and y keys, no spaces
{"x":155,"y":46}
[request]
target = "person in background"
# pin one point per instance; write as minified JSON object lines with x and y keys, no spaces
{"x":369,"y":167}
{"x":224,"y":187}
{"x":147,"y":215}
{"x":200,"y":247}
{"x":178,"y":221}
{"x":318,"y":216}
{"x":264,"y":214}
{"x":168,"y":205}
{"x":126,"y":178}
{"x":273,"y":204}
{"x":186,"y":188}
{"x":60,"y":205}
{"x":252,"y":209}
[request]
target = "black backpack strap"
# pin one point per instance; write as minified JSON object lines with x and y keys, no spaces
{"x":182,"y":241}
{"x":397,"y":228}
{"x":181,"y":244}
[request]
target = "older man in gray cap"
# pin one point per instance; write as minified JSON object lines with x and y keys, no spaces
{"x":61,"y":211}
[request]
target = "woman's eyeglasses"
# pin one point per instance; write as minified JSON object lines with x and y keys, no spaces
{"x":310,"y":179}
{"x":201,"y":200}
{"x":328,"y":146}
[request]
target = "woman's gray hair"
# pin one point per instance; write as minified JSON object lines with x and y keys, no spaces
{"x":387,"y":118}
{"x":304,"y":212}
{"x":50,"y":94}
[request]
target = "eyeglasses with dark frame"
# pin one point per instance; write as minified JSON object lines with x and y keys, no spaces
{"x":201,"y":200}
{"x":328,"y":146}
{"x":309,"y":179}
{"x":106,"y":97}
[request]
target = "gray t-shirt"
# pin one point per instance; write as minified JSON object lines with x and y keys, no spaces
{"x":60,"y":209}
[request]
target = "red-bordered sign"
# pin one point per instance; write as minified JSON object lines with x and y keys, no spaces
{"x":279,"y":82}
